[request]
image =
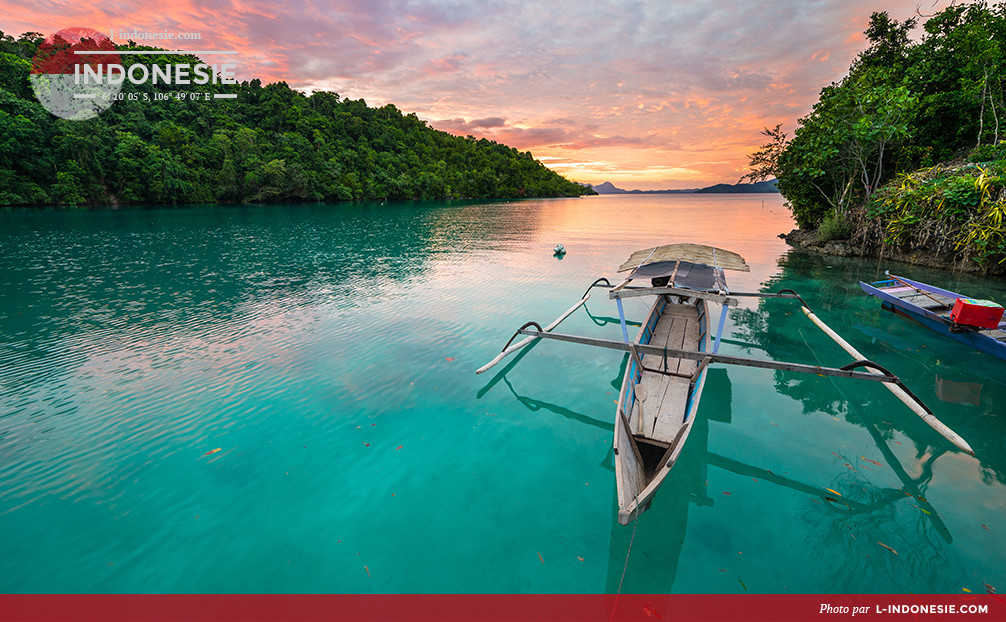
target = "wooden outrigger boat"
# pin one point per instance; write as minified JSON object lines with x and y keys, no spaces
{"x":660,"y":393}
{"x":931,"y":307}
{"x":663,"y":381}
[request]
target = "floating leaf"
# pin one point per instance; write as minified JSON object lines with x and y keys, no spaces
{"x":870,"y":461}
{"x":212,"y":451}
{"x":541,"y":558}
{"x":989,"y":588}
{"x":832,"y":499}
{"x":834,"y":491}
{"x":399,"y":447}
{"x":579,"y":558}
{"x":887,"y":547}
{"x":726,"y":493}
{"x":368,"y":570}
{"x":449,"y":358}
{"x":743,"y":586}
{"x":964,"y":589}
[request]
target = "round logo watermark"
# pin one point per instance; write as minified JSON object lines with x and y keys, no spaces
{"x":58,"y":65}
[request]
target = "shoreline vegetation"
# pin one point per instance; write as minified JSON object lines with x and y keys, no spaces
{"x":269,"y":144}
{"x":905,"y":157}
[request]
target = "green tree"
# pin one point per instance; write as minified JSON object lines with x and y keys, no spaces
{"x":764,"y":163}
{"x":840,"y":149}
{"x":271,"y":143}
{"x":889,"y":43}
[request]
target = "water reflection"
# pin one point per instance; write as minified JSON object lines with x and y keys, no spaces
{"x":535,"y":405}
{"x":963,"y":387}
{"x":856,"y":520}
{"x":644,"y":557}
{"x":312,"y":343}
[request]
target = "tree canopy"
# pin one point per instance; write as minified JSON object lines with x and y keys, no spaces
{"x":904,"y":105}
{"x":270,"y":143}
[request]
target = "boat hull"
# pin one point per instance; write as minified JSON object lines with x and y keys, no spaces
{"x":890,"y":293}
{"x":658,"y":402}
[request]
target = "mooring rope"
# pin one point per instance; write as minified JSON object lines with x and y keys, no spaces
{"x":614,"y":607}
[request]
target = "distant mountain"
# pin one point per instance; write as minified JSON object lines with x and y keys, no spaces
{"x":609,"y":188}
{"x":760,"y":187}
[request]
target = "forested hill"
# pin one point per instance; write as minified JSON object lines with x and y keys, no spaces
{"x":906,"y":155}
{"x":271,"y":143}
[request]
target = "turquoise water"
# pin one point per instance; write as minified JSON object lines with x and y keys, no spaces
{"x":325,"y":355}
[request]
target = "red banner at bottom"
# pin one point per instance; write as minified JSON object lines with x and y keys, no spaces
{"x":496,"y":608}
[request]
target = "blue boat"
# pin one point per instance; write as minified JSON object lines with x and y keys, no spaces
{"x":931,"y":306}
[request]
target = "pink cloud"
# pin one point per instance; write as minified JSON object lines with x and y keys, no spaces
{"x":446,"y":64}
{"x":460,"y":126}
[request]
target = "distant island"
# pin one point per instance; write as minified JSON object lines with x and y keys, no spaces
{"x":759,"y":187}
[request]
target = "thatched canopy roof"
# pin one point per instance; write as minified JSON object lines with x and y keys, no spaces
{"x":695,"y":253}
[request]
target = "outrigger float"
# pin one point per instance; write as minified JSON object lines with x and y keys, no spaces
{"x":669,"y":357}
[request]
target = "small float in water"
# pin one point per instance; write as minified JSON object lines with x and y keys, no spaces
{"x":559,"y":250}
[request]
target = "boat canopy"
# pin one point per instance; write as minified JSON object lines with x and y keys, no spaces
{"x":683,"y":273}
{"x":692,"y":253}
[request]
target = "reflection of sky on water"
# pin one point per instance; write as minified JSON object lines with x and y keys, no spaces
{"x":310,"y":343}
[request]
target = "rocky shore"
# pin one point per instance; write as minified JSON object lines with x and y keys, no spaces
{"x":808,"y":240}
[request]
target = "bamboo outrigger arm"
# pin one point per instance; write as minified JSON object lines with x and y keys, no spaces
{"x":510,"y":349}
{"x":637,"y":292}
{"x":874,"y":372}
{"x":727,"y":359}
{"x":898,"y":389}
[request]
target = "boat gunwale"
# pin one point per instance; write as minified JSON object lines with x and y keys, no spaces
{"x":631,"y":510}
{"x":872,"y":289}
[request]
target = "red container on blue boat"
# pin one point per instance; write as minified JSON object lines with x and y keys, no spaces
{"x":980,"y":313}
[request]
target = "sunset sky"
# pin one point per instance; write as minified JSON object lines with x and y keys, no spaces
{"x":644,"y":94}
